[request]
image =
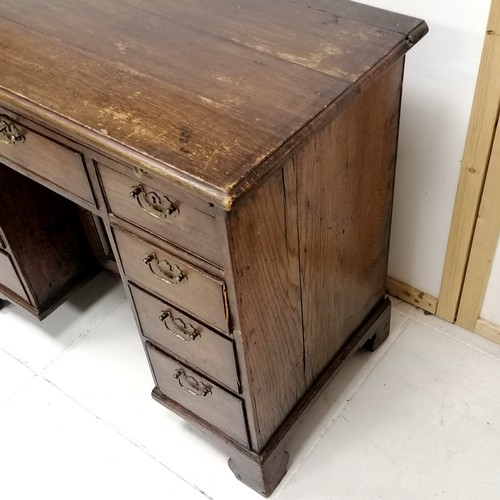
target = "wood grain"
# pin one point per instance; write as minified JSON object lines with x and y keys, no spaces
{"x":480,"y":134}
{"x":344,"y":189}
{"x":208,"y":352}
{"x":199,"y":293}
{"x":264,"y":264}
{"x":484,"y":244}
{"x":9,"y":277}
{"x":273,"y":125}
{"x":188,"y":226}
{"x":218,"y":407}
{"x":45,"y":239}
{"x":262,"y":471}
{"x":411,"y":295}
{"x":190,"y":89}
{"x":488,"y":330}
{"x":52,"y":162}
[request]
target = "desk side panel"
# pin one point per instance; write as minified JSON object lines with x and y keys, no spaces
{"x":265,"y":306}
{"x":345,"y":179}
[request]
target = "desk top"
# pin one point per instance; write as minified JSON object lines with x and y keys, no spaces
{"x":210,"y":93}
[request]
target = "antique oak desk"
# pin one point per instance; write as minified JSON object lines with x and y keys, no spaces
{"x":235,"y":161}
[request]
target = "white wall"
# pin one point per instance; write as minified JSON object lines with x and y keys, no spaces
{"x":441,"y":73}
{"x":491,"y":304}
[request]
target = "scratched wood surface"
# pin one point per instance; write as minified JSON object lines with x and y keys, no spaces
{"x":198,"y":292}
{"x":309,"y":253}
{"x":207,"y":91}
{"x":345,"y":184}
{"x":262,"y":242}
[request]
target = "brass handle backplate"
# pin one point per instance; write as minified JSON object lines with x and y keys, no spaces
{"x":9,"y":133}
{"x":191,"y":385}
{"x":163,"y":270}
{"x":152,"y":203}
{"x":183,"y":331}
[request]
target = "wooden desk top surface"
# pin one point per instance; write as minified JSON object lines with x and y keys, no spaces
{"x":211,"y":93}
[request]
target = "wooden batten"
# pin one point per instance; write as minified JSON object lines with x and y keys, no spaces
{"x":488,"y":330}
{"x":411,"y":295}
{"x":484,"y":245}
{"x":475,"y":161}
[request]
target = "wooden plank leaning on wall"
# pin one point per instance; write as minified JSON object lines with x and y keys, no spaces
{"x":484,"y":245}
{"x":477,"y":152}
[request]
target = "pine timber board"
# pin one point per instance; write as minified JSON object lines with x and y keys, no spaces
{"x":411,"y":295}
{"x":478,"y":146}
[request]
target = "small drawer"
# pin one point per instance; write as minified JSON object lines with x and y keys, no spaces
{"x":199,"y":395}
{"x":55,"y":163}
{"x":187,"y":339}
{"x":164,"y":210}
{"x":9,"y":278}
{"x":179,"y":283}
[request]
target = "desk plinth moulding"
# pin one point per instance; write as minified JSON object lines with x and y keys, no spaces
{"x":236,"y":160}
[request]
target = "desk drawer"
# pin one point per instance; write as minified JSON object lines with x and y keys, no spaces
{"x":178,"y":282}
{"x":155,"y":205}
{"x":45,"y":158}
{"x":187,"y":339}
{"x":199,"y":395}
{"x":9,"y":278}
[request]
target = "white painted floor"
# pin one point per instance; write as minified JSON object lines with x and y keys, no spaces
{"x":418,"y":419}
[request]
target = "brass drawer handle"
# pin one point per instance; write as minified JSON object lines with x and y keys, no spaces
{"x":152,"y":203}
{"x":183,"y":331}
{"x":163,"y":270}
{"x":9,"y":133}
{"x":191,"y":385}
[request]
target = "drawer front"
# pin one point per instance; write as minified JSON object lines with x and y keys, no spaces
{"x":9,"y":278}
{"x":199,"y":395}
{"x":179,"y":283}
{"x":164,"y":211}
{"x":187,"y":339}
{"x":53,"y":162}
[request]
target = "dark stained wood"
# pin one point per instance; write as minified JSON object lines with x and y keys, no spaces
{"x":189,"y":226}
{"x":365,"y":14}
{"x":95,"y":234}
{"x":263,"y":471}
{"x":376,"y":324}
{"x":208,"y":352}
{"x":272,"y":128}
{"x":344,"y":186}
{"x":174,"y":250}
{"x":200,"y":294}
{"x":50,"y":161}
{"x":96,"y":205}
{"x":261,"y":475}
{"x":9,"y":277}
{"x":45,"y":240}
{"x":199,"y":395}
{"x":307,"y":37}
{"x":327,"y":214}
{"x":267,"y":298}
{"x":183,"y":196}
{"x":380,"y":328}
{"x":205,"y":94}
